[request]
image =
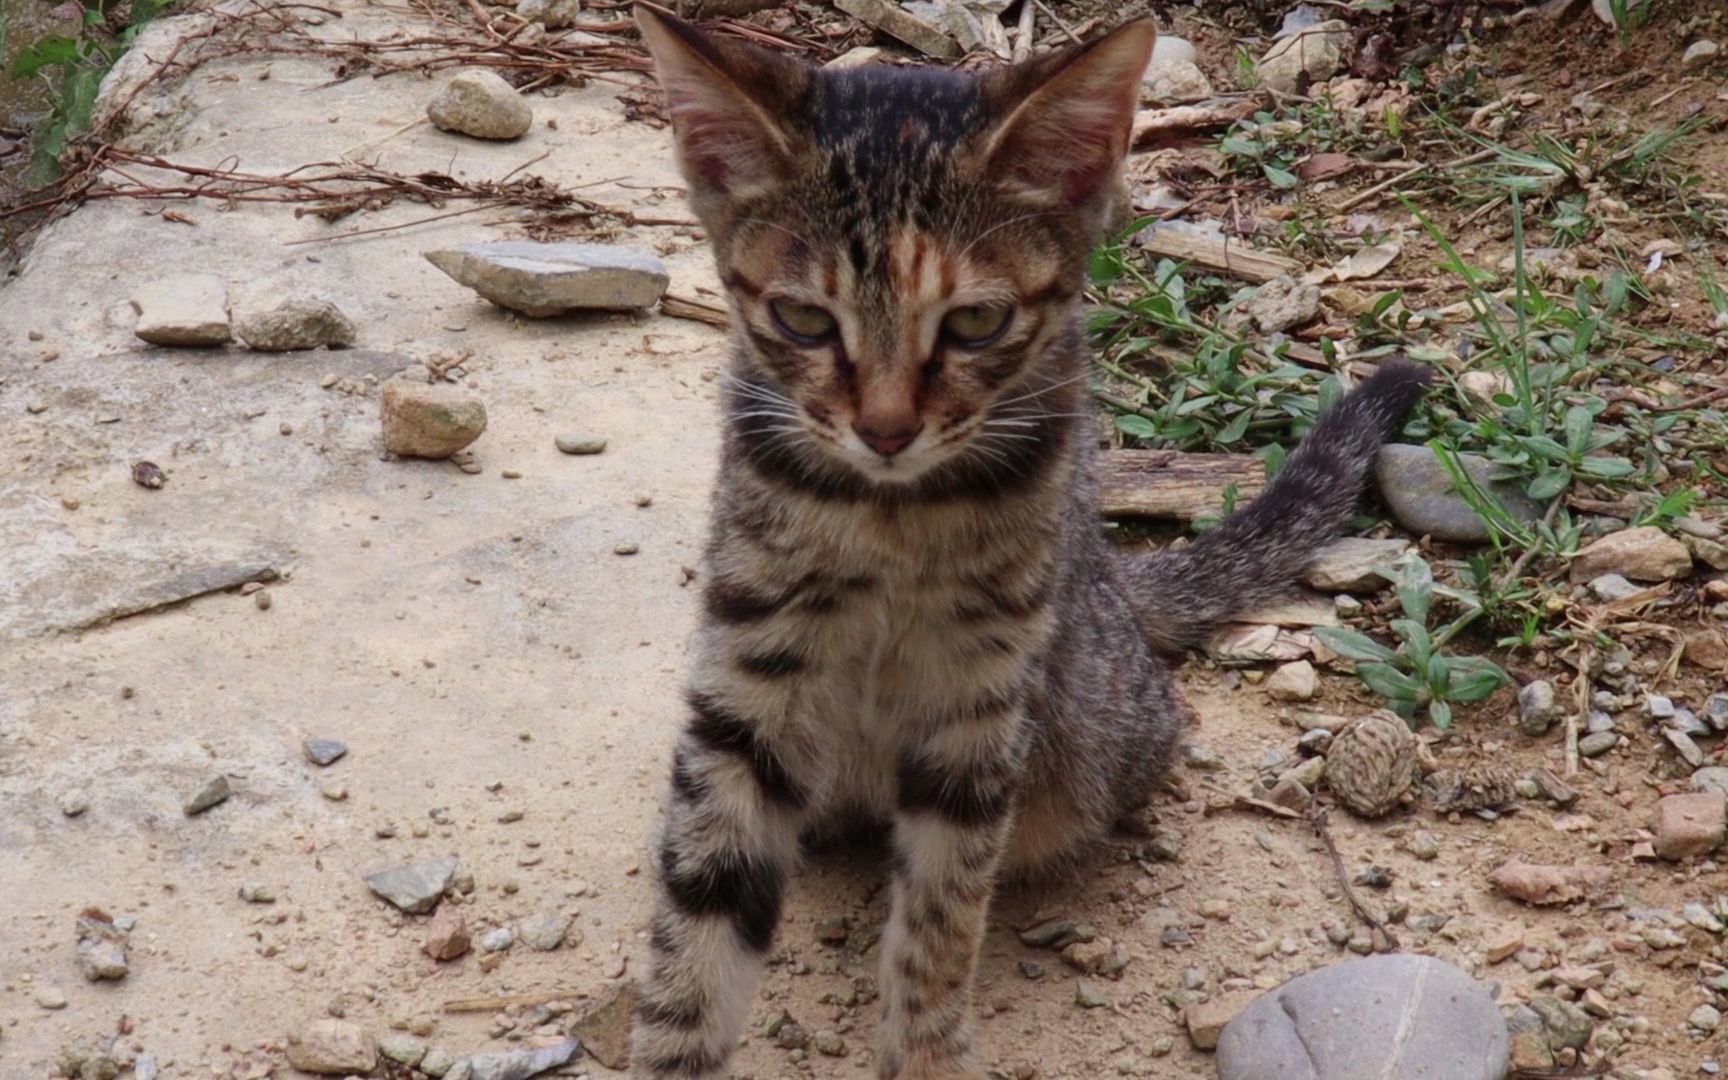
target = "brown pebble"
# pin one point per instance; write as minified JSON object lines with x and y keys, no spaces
{"x":262,"y":599}
{"x":511,"y":474}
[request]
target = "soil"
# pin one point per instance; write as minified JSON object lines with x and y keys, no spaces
{"x":482,"y":649}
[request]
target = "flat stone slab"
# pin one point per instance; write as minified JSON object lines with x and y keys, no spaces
{"x":541,"y":280}
{"x":417,"y":887}
{"x":1394,"y":1016}
{"x":184,"y":309}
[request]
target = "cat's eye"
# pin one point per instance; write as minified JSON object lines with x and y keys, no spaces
{"x":976,"y":326}
{"x":806,"y":324}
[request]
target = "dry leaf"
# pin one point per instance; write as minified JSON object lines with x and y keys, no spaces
{"x":1365,"y":263}
{"x":1320,"y":166}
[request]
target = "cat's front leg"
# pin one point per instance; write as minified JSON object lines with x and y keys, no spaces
{"x":728,"y":841}
{"x":955,"y":805}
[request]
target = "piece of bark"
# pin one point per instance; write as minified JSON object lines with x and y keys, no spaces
{"x":1156,"y":129}
{"x":1232,"y":257}
{"x":1173,"y":484}
{"x":684,"y":307}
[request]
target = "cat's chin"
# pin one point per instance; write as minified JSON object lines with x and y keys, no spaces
{"x":895,"y":471}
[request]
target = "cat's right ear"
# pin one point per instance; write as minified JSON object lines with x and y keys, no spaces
{"x":723,"y":98}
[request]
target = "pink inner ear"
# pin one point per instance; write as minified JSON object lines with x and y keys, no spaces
{"x":1072,"y":133}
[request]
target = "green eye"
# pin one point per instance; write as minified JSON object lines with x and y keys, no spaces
{"x":806,"y":324}
{"x":976,"y":326}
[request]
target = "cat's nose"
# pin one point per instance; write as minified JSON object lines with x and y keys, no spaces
{"x":888,"y":437}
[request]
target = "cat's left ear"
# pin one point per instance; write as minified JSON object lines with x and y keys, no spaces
{"x":1067,"y":134}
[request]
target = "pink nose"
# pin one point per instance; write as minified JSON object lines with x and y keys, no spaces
{"x":886,"y":440}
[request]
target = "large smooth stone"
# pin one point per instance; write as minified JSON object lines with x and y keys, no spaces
{"x":1410,"y":1017}
{"x":548,"y":279}
{"x":1419,"y":493}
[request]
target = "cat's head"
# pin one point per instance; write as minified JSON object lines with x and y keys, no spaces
{"x":901,"y":245}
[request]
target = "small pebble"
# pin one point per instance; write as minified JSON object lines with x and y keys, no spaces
{"x":511,"y":474}
{"x":626,"y":549}
{"x":577,"y":444}
{"x":74,"y":803}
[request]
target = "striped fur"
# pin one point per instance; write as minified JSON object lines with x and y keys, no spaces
{"x":937,"y":637}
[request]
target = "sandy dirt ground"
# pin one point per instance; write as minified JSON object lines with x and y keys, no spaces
{"x":482,"y":649}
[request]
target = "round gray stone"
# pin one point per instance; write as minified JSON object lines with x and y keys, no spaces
{"x":1418,"y":490}
{"x":1412,"y":1017}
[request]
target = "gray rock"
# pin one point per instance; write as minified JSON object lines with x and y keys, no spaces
{"x":1393,"y":1015}
{"x":1538,"y":708}
{"x":215,"y":793}
{"x":1710,"y":778}
{"x":437,"y":1063}
{"x":541,"y":280}
{"x":1597,"y":722}
{"x":256,"y":892}
{"x":1690,"y":722}
{"x":1304,"y":58}
{"x":323,"y":751}
{"x":544,"y":932}
{"x":1598,"y":744}
{"x":1658,"y":707}
{"x":292,"y":323}
{"x":480,"y":103}
{"x":1530,"y":1049}
{"x":102,"y":959}
{"x":1642,"y":554}
{"x":1175,"y":80}
{"x":1170,"y":49}
{"x":497,"y":939}
{"x":1705,"y":1018}
{"x":1419,"y":492}
{"x":577,"y":444}
{"x":555,"y":14}
{"x":1295,"y":681}
{"x":516,"y":1064}
{"x":183,"y":309}
{"x":1716,"y":711}
{"x":1568,"y":1025}
{"x":1689,"y":751}
{"x":1700,"y":54}
{"x":1282,"y":303}
{"x":145,"y":1068}
{"x":332,"y":1048}
{"x":74,"y":803}
{"x":428,"y":420}
{"x":417,"y":887}
{"x":402,"y":1048}
{"x":1353,"y":564}
{"x":50,"y":998}
{"x":1612,"y":587}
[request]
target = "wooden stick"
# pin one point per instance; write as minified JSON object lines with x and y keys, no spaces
{"x":1233,"y":258}
{"x":1318,"y":820}
{"x":1024,"y":30}
{"x":1358,"y":199}
{"x":684,"y":307}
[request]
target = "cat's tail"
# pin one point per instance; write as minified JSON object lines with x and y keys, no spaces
{"x":1256,"y":556}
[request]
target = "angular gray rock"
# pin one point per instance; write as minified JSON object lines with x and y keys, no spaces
{"x":215,"y":793}
{"x":183,"y":309}
{"x":515,"y":1064}
{"x":416,"y":887}
{"x":323,"y":751}
{"x":1313,"y":54}
{"x":1394,"y":1015}
{"x":481,"y":104}
{"x":290,"y":323}
{"x":1419,"y":492}
{"x":544,"y":932}
{"x":1538,"y":708}
{"x":428,"y":420}
{"x":332,"y":1048}
{"x":541,"y":280}
{"x":1352,"y":564}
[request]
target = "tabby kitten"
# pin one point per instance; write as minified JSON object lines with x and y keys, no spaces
{"x":909,"y":612}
